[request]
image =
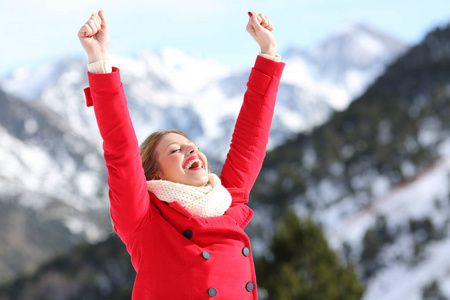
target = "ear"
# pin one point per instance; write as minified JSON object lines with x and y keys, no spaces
{"x":158,"y":175}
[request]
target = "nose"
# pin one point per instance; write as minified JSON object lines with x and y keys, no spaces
{"x":193,"y":149}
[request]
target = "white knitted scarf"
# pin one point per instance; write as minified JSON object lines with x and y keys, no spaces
{"x":211,"y":200}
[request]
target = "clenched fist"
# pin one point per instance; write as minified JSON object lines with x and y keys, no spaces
{"x":260,"y":27}
{"x":94,"y":37}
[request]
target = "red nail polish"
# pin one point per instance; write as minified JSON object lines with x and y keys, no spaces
{"x":250,"y":14}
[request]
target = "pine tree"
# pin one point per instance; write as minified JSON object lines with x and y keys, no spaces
{"x":432,"y":291}
{"x":302,"y":266}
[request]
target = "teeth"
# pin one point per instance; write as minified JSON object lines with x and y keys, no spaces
{"x":189,"y":164}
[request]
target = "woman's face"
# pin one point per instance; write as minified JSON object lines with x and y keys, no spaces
{"x":180,"y":161}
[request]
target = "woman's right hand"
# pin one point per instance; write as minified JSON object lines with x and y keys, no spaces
{"x":94,"y":37}
{"x":260,"y":28}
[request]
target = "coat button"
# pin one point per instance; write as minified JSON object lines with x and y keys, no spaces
{"x":206,"y":255}
{"x":212,"y":292}
{"x":246,"y":251}
{"x":250,"y":286}
{"x":188,"y":234}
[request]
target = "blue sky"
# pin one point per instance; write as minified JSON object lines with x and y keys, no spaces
{"x":33,"y":31}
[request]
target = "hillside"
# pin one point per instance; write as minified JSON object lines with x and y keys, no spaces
{"x":86,"y":272}
{"x":47,"y":206}
{"x":388,"y":139}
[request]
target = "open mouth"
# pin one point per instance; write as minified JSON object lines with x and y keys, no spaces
{"x":193,"y":163}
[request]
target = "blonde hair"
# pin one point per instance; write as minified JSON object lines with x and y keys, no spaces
{"x":148,"y":152}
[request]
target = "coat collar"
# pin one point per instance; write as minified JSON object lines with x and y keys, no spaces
{"x":240,"y":212}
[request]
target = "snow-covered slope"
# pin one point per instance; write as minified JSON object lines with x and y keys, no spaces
{"x":344,"y":64}
{"x":413,"y":258}
{"x":41,"y":155}
{"x":52,"y":191}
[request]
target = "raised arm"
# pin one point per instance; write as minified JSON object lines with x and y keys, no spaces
{"x":251,"y":133}
{"x":127,"y":186}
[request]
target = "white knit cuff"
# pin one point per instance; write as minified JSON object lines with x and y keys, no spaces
{"x":100,"y":67}
{"x":276,"y":58}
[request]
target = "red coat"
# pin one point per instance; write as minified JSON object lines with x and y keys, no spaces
{"x":178,"y":256}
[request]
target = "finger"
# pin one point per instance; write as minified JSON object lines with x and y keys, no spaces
{"x":270,"y":24}
{"x":103,"y":19}
{"x":96,"y":18}
{"x":254,"y":26}
{"x":263,"y":22}
{"x":259,"y":19}
{"x":86,"y":31}
{"x":253,"y":21}
{"x":98,"y":23}
{"x":254,"y":15}
{"x":95,"y":27}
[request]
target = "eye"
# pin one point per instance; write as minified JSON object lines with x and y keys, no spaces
{"x":176,"y":150}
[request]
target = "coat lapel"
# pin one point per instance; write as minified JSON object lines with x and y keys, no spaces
{"x":240,"y":212}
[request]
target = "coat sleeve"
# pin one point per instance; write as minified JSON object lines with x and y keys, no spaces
{"x":251,"y":132}
{"x":127,"y":185}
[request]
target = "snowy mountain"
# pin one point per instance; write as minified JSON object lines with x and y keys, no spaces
{"x":173,"y":89}
{"x":416,"y":216}
{"x":344,"y":64}
{"x":51,"y":191}
{"x":47,"y":133}
{"x":376,"y":177}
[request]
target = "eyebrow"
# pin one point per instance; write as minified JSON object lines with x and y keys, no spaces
{"x":189,"y":141}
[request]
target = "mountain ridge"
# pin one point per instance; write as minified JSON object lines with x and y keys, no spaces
{"x":391,"y":137}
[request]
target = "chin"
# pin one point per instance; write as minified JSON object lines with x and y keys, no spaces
{"x":202,"y":181}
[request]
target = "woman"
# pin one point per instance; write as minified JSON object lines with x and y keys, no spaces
{"x":182,"y":226}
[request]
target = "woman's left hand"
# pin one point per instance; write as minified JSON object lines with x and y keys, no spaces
{"x":260,"y":27}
